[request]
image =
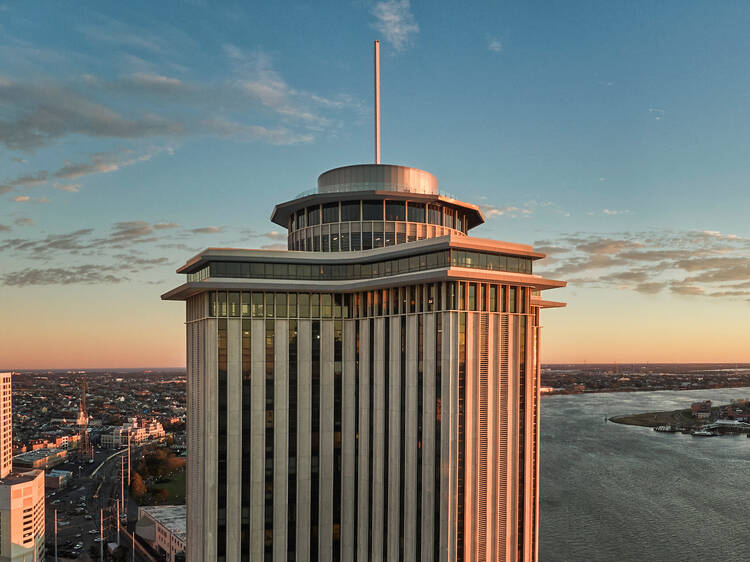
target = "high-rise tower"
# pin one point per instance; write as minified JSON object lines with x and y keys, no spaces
{"x":371,"y":393}
{"x":21,"y":494}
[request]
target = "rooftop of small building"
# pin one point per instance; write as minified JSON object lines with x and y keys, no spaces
{"x":20,"y":477}
{"x":172,"y":517}
{"x":38,"y":454}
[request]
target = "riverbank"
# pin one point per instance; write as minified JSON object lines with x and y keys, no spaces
{"x":678,"y":418}
{"x":682,"y":419}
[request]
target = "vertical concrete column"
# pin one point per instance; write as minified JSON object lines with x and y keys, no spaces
{"x":363,"y":483}
{"x":325,"y":518}
{"x":211,"y":446}
{"x":471,"y":438}
{"x":394,"y":439}
{"x":513,"y":422}
{"x":492,"y":434}
{"x":280,"y":439}
{"x":349,"y":440}
{"x":428,"y":440}
{"x":377,"y":480}
{"x":451,"y":441}
{"x":257,"y":437}
{"x":304,"y":423}
{"x":234,"y":436}
{"x":410,"y":442}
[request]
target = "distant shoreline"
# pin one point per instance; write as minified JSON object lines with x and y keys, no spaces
{"x":742,"y":384}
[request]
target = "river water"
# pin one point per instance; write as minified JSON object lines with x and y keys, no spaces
{"x":613,"y":492}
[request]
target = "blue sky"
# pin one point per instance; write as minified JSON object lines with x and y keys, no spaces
{"x":611,"y":135}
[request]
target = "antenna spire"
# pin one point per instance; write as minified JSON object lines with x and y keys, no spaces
{"x":377,"y":102}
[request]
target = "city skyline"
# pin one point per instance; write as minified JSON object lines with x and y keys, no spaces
{"x":608,"y":137}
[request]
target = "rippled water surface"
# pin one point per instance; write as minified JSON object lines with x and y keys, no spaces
{"x":618,"y":493}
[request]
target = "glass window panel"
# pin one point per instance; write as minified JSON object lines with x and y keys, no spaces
{"x":355,"y":238}
{"x":377,"y":235}
{"x":234,"y":304}
{"x":281,"y":305}
{"x":331,"y":212}
{"x":416,"y":212}
{"x":400,"y":237}
{"x":411,"y":234}
{"x":513,"y":264}
{"x":316,"y":239}
{"x":313,"y":215}
{"x":350,"y":211}
{"x":269,"y":304}
{"x":461,"y":302}
{"x":512,"y":300}
{"x":367,"y":236}
{"x":326,"y":240}
{"x":304,"y":305}
{"x":301,"y":223}
{"x":280,"y":271}
{"x":432,"y":261}
{"x":257,"y":305}
{"x":503,"y":263}
{"x":493,"y":298}
{"x":334,"y":238}
{"x":390,"y":234}
{"x":472,"y":296}
{"x":337,"y":300}
{"x":395,"y":211}
{"x":222,"y":304}
{"x":448,"y":217}
{"x":292,"y":305}
{"x":344,"y":237}
{"x":308,"y":241}
{"x":315,"y":305}
{"x":414,"y":263}
{"x":434,"y":214}
{"x":372,"y":210}
{"x":403,"y":265}
{"x":213,"y":302}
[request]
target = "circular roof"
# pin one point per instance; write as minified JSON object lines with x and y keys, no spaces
{"x":386,"y":177}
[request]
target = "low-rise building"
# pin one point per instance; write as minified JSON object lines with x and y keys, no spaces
{"x":701,"y":410}
{"x":138,"y":430}
{"x":57,"y":478}
{"x":40,"y":459}
{"x":163,"y":527}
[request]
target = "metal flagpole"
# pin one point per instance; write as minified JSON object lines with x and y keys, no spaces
{"x":55,"y":535}
{"x":118,"y":524}
{"x":377,"y":102}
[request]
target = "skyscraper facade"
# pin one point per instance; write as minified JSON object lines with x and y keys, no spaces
{"x":21,"y":494}
{"x":371,"y":393}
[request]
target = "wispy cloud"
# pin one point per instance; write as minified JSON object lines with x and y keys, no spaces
{"x":688,"y":263}
{"x":37,"y":114}
{"x":83,"y":274}
{"x":494,"y":45}
{"x":24,"y":221}
{"x":656,"y":112}
{"x":71,"y":187}
{"x":207,"y":230}
{"x":395,"y":21}
{"x":491,"y":211}
{"x":27,"y":199}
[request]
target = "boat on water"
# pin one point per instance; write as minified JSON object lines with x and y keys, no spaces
{"x":704,"y":433}
{"x":666,"y":429}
